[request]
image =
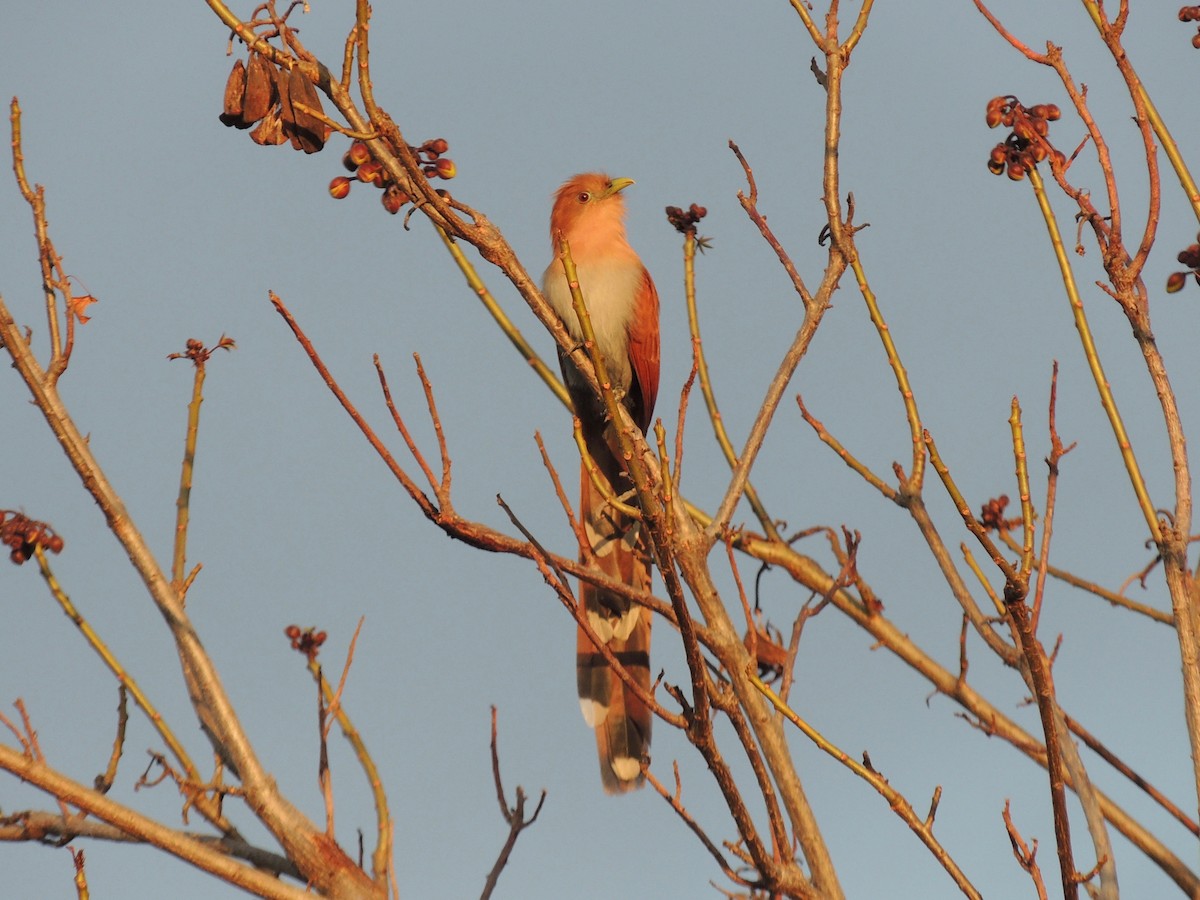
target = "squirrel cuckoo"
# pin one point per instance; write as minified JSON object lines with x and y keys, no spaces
{"x":622,"y":304}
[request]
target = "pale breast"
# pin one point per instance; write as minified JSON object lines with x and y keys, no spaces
{"x":609,"y":290}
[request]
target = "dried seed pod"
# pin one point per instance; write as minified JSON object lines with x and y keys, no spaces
{"x":269,"y":131}
{"x":306,"y":131}
{"x":283,"y":85}
{"x":260,"y":89}
{"x":235,"y":90}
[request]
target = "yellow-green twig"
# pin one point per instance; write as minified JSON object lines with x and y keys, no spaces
{"x":200,"y":801}
{"x":183,"y":502}
{"x":923,"y":829}
{"x":1018,"y":438}
{"x":501,"y":317}
{"x":973,"y":565}
{"x":1091,"y":587}
{"x":710,"y":398}
{"x":845,"y":455}
{"x":1107,"y":400}
{"x":597,"y":480}
{"x":964,"y":510}
{"x":917,"y":474}
{"x":381,"y":860}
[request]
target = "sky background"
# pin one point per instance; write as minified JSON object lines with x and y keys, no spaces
{"x":181,"y":227}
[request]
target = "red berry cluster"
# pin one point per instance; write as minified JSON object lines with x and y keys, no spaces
{"x":284,"y":105}
{"x":1026,"y":144}
{"x":22,"y":534}
{"x":358,"y":160}
{"x":306,"y":640}
{"x":1191,"y":14}
{"x":1190,"y":258}
{"x":685,"y":221}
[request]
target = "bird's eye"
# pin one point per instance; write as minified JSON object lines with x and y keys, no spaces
{"x":584,"y":196}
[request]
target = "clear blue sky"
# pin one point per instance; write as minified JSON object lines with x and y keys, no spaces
{"x":180,"y":227}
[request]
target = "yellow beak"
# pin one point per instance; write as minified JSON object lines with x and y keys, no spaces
{"x":617,"y":185}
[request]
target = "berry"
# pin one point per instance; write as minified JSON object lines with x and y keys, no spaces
{"x":370,"y":173}
{"x":358,"y":155}
{"x":393,"y":198}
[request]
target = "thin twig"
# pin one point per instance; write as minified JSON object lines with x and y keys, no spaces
{"x":514,"y":816}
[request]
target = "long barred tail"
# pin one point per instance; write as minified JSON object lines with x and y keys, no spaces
{"x":620,"y":718}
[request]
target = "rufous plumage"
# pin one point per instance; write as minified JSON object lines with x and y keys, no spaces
{"x":622,"y":304}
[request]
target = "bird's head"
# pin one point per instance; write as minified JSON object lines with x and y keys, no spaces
{"x":589,"y":212}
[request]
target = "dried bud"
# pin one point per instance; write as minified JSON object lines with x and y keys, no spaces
{"x":438,"y":145}
{"x":445,"y":168}
{"x":339,"y":188}
{"x":1016,"y":171}
{"x":292,"y":631}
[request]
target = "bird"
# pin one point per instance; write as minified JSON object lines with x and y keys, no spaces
{"x":622,"y":303}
